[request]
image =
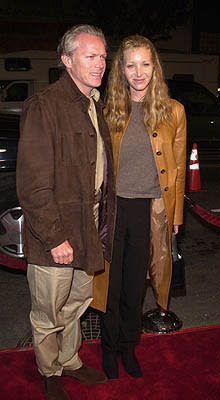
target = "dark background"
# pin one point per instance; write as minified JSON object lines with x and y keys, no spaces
{"x":32,"y":25}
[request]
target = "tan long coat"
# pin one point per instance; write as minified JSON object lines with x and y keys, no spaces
{"x":169,"y":149}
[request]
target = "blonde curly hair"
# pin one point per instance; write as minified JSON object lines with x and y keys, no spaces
{"x":157,"y":105}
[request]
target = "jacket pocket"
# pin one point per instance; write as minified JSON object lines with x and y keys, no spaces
{"x":72,"y":148}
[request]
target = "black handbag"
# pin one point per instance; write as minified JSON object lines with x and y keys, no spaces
{"x":178,"y":286}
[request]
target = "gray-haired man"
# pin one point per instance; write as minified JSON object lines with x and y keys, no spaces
{"x":65,"y":186}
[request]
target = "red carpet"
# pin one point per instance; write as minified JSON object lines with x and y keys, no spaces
{"x":184,"y":365}
{"x":12,"y":262}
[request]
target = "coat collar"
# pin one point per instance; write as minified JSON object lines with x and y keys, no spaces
{"x":73,"y":94}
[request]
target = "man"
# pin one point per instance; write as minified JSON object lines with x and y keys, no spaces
{"x":65,"y":186}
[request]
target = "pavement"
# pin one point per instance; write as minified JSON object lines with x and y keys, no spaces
{"x":200,"y":245}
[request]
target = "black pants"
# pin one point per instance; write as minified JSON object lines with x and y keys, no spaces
{"x":121,"y":323}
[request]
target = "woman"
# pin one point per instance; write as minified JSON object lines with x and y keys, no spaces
{"x":148,"y":131}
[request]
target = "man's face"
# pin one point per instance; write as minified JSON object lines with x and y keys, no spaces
{"x":87,"y":64}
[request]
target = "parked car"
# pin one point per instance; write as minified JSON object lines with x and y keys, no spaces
{"x":203,"y":118}
{"x":203,"y":124}
{"x":9,"y":135}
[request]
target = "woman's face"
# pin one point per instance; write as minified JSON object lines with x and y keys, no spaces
{"x":138,"y":69}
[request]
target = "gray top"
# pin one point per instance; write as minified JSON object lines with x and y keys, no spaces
{"x":137,"y":173}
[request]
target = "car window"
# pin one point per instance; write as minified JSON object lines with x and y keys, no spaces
{"x":196,"y":98}
{"x":17,"y":92}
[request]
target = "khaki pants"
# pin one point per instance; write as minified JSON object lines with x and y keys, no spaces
{"x":59,"y":297}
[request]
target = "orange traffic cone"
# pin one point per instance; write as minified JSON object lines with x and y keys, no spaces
{"x":194,"y":184}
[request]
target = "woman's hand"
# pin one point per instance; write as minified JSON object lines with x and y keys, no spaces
{"x":175,"y":229}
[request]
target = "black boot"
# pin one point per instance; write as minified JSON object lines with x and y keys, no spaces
{"x":110,"y":364}
{"x":131,"y":364}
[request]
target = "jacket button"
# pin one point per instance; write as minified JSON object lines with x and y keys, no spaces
{"x":163,"y":171}
{"x":154,"y":134}
{"x":166,"y":189}
{"x":158,"y":153}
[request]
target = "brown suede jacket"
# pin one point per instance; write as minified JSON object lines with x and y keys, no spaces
{"x":56,"y":177}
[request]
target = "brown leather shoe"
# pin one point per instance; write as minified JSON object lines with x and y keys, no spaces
{"x":53,"y":388}
{"x":86,"y":374}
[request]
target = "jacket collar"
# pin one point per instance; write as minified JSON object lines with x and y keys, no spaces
{"x":74,"y":94}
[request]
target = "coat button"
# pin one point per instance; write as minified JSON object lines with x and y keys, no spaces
{"x":154,"y":134}
{"x":163,"y":171}
{"x":158,"y":153}
{"x":166,"y":189}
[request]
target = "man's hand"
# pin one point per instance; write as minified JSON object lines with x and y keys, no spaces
{"x":62,"y":254}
